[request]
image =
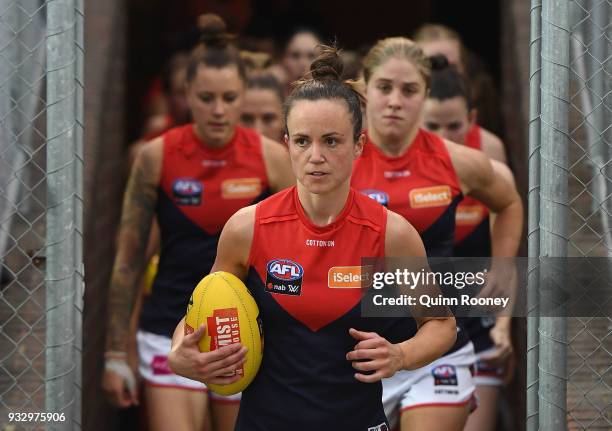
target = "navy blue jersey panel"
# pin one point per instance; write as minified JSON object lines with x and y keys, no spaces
{"x":477,"y":243}
{"x":307,"y":372}
{"x":439,"y":237}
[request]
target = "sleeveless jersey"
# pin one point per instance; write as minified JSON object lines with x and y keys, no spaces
{"x":472,"y":232}
{"x":473,"y":239}
{"x":199,"y":190}
{"x":305,"y":280}
{"x":421,"y":185}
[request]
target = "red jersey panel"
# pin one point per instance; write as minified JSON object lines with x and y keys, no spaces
{"x":470,"y":212}
{"x":421,"y":185}
{"x":208,"y":184}
{"x":313,"y":272}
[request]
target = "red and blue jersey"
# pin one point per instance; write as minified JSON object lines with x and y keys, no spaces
{"x":200,"y":189}
{"x":306,"y":280}
{"x":472,"y":232}
{"x":422,"y":186}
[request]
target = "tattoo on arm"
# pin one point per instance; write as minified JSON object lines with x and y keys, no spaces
{"x":138,"y":211}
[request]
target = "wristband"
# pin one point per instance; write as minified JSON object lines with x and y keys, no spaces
{"x":121,"y":367}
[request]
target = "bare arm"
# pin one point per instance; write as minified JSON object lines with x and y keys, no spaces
{"x":492,"y":183}
{"x":492,"y":146}
{"x":435,"y":336}
{"x":232,"y":252}
{"x":501,"y":332}
{"x":185,"y":358}
{"x":480,"y":180}
{"x":278,"y":165}
{"x":138,"y":211}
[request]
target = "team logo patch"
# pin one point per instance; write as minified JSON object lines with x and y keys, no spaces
{"x":284,"y":276}
{"x":224,"y":329}
{"x":240,"y":188}
{"x":468,"y":215}
{"x":380,"y":197}
{"x":160,"y":366}
{"x":382,"y":427}
{"x":349,"y":277}
{"x":445,"y":375}
{"x":425,"y":197}
{"x":187,"y":191}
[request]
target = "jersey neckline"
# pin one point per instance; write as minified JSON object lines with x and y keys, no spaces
{"x":374,"y":148}
{"x":348,"y":205}
{"x":199,"y":145}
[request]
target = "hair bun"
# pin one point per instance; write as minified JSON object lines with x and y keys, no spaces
{"x":439,"y":62}
{"x":213,"y":31}
{"x":328,"y":65}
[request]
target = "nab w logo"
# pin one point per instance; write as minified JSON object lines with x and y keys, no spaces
{"x":284,"y":276}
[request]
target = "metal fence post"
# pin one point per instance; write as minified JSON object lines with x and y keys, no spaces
{"x":64,"y":278}
{"x":554,"y":202}
{"x":533,"y":234}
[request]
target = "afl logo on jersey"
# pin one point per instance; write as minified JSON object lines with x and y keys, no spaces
{"x":445,"y":375}
{"x":284,"y":276}
{"x":380,"y":197}
{"x":187,"y":191}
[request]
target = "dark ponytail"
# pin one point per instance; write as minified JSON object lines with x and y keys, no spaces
{"x":324,"y":82}
{"x":213,"y":31}
{"x":216,"y":48}
{"x":327,"y":66}
{"x":439,"y":62}
{"x":447,"y":82}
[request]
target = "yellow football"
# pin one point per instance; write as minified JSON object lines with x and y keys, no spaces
{"x":225,"y":305}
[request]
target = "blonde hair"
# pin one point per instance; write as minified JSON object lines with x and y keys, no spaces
{"x":256,"y":62}
{"x":431,"y":32}
{"x":397,"y":47}
{"x":436,"y":32}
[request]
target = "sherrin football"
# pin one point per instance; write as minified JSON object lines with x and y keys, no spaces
{"x":225,"y":305}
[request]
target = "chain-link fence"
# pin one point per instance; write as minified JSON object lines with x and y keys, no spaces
{"x":41,"y":63}
{"x":569,"y":382}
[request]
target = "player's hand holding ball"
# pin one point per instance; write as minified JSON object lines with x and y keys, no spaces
{"x":374,"y":357}
{"x":222,"y":340}
{"x":216,"y":367}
